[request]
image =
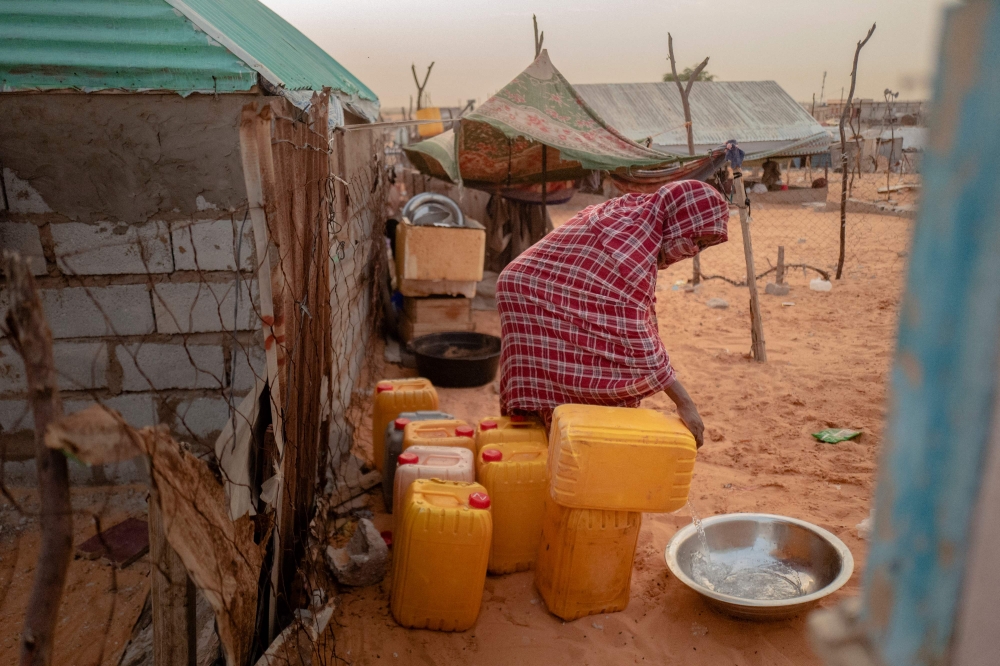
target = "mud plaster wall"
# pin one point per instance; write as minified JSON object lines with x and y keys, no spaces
{"x":125,"y":157}
{"x":131,"y":209}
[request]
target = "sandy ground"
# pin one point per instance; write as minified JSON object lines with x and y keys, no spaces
{"x":100,"y":604}
{"x":828,"y":358}
{"x":829,"y":354}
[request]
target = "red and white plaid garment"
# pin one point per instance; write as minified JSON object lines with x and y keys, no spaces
{"x":576,"y":309}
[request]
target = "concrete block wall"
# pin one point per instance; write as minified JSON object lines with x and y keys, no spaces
{"x":151,"y":319}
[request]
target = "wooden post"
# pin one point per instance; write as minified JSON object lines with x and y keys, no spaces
{"x":756,"y":325}
{"x":28,"y":332}
{"x":173,"y":597}
{"x":779,"y":273}
{"x":696,"y":269}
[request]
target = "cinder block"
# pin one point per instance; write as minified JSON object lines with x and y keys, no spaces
{"x":23,"y":237}
{"x":251,"y":364}
{"x":207,"y":245}
{"x":83,"y":312}
{"x":138,"y":409}
{"x":12,"y":377}
{"x":201,"y":417}
{"x":81,"y":365}
{"x":203,"y":307}
{"x":15,"y":416}
{"x":107,"y":248}
{"x":165,"y":366}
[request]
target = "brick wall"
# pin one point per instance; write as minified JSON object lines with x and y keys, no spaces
{"x":131,"y":209}
{"x":151,"y":319}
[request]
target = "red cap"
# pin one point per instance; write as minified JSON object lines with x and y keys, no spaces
{"x":488,"y":425}
{"x":464,"y":431}
{"x":382,"y":387}
{"x":387,"y":537}
{"x":492,"y":455}
{"x":479,"y":501}
{"x":407,"y":459}
{"x":518,"y":418}
{"x":401,"y":423}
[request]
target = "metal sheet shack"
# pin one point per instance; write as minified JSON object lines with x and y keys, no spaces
{"x":168,"y":168}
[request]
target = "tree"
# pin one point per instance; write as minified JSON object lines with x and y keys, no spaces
{"x":844,"y":114}
{"x":686,"y":76}
{"x":692,"y":76}
{"x":421,"y":86}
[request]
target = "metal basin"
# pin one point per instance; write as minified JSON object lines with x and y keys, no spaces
{"x":759,"y":557}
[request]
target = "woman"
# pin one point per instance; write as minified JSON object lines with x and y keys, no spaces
{"x":576,"y":309}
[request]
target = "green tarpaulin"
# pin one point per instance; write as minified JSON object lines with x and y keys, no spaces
{"x":501,"y":142}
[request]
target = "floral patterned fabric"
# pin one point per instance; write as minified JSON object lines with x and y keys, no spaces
{"x":502,"y":140}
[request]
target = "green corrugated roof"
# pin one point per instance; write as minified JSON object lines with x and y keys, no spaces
{"x":179,"y":45}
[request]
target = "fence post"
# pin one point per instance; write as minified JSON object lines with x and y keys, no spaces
{"x":172,"y":597}
{"x":756,"y":325}
{"x":779,"y":272}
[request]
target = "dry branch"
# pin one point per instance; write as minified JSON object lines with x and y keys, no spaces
{"x":685,"y":90}
{"x":30,"y":336}
{"x":843,"y":151}
{"x":539,"y":38}
{"x":421,"y":86}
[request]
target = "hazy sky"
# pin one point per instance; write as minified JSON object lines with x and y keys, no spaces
{"x":480,"y":45}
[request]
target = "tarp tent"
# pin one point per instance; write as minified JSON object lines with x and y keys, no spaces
{"x":764,"y":118}
{"x":501,"y":142}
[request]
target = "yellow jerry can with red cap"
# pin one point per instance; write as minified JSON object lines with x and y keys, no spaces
{"x":585,"y":560}
{"x":619,"y":458}
{"x":440,"y":432}
{"x":391,"y":397}
{"x":513,"y":474}
{"x":447,"y":463}
{"x":497,"y":429}
{"x":441,"y":549}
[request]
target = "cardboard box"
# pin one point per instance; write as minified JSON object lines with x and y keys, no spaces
{"x":440,"y":260}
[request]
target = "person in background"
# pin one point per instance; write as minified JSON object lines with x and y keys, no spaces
{"x":577,"y":316}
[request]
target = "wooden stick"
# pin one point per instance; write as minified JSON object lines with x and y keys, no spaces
{"x":843,"y":153}
{"x":756,"y":324}
{"x":173,"y":597}
{"x":696,"y":269}
{"x":30,"y":336}
{"x":779,"y":276}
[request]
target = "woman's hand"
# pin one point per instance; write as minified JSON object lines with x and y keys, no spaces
{"x":687,"y":411}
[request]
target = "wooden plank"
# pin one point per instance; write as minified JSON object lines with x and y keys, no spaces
{"x":757,"y":346}
{"x":409,"y":329}
{"x":944,"y":380}
{"x":421,"y":288}
{"x":438,"y":310}
{"x":173,"y":597}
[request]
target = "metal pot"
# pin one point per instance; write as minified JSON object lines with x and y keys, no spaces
{"x":432,"y":209}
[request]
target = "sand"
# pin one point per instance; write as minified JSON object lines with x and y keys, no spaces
{"x":100,"y":604}
{"x":829,"y":355}
{"x":828,"y":359}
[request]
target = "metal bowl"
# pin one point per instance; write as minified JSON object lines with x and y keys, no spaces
{"x":818,"y":562}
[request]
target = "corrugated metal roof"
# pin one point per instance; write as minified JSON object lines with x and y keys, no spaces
{"x":755,"y":113}
{"x":184,"y":46}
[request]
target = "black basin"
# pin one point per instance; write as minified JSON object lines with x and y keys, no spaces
{"x":457,"y":360}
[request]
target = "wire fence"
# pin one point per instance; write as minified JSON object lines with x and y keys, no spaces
{"x":247,"y":336}
{"x":805,"y":221}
